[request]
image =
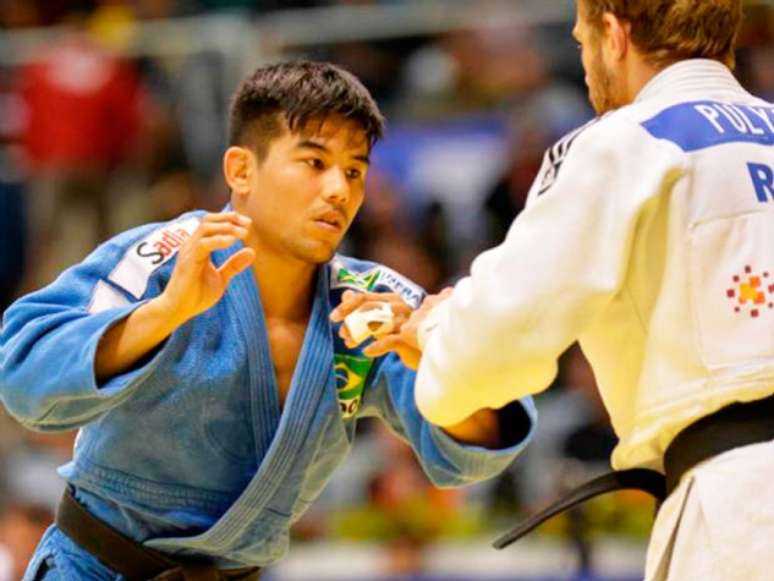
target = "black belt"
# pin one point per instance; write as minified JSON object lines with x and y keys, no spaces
{"x":131,"y":559}
{"x":733,"y":426}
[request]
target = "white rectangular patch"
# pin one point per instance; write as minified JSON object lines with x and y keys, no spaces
{"x":149,"y":254}
{"x":105,"y":297}
{"x":409,"y":292}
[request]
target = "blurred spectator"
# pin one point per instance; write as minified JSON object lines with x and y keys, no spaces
{"x":385,"y":231}
{"x":257,"y":5}
{"x":82,"y":117}
{"x":12,"y":240}
{"x":594,"y":440}
{"x":13,"y":215}
{"x":21,"y":526}
{"x":755,"y":59}
{"x":30,"y":467}
{"x":536,"y":122}
{"x":472,"y":70}
{"x":18,"y":14}
{"x":410,"y":510}
{"x":506,"y":200}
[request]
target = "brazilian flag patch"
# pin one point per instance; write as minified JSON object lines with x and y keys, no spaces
{"x":351,"y":373}
{"x":361,"y":281}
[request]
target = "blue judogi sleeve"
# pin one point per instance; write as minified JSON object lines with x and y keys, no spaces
{"x":49,"y":340}
{"x":447,"y":462}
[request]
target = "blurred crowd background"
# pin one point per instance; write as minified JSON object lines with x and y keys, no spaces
{"x":112,"y":114}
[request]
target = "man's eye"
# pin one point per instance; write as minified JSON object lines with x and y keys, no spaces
{"x":354,"y":174}
{"x":315,"y":163}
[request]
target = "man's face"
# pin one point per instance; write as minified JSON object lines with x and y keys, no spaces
{"x":604,"y":92}
{"x":305,"y":193}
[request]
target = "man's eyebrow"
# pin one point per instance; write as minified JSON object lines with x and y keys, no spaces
{"x":309,"y":144}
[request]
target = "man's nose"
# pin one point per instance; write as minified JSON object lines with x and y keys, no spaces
{"x":335,"y":186}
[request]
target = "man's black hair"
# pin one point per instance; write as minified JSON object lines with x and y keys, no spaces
{"x":302,"y":91}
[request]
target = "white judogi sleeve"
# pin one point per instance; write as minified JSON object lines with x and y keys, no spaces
{"x":499,"y":336}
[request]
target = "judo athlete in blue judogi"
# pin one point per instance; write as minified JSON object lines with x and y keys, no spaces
{"x":213,"y":394}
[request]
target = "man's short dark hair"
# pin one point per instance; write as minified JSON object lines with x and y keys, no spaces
{"x":303,"y":91}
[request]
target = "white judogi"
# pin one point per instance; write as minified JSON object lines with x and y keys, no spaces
{"x":649,"y":238}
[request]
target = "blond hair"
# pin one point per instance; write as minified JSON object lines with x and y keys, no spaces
{"x":666,"y":31}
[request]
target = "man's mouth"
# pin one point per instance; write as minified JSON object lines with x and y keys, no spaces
{"x":333,"y":220}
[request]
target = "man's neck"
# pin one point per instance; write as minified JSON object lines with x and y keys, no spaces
{"x":640,"y":74}
{"x":287,"y":286}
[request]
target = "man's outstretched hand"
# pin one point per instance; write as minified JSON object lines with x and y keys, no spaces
{"x":196,"y":283}
{"x":402,"y":338}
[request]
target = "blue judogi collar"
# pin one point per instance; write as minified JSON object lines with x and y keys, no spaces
{"x":280,"y":437}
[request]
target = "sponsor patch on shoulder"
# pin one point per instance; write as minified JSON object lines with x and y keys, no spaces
{"x":373,"y":278}
{"x":105,"y":297}
{"x":149,"y":254}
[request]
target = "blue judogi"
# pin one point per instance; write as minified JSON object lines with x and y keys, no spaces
{"x":189,"y":451}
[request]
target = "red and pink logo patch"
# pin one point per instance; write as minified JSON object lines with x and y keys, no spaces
{"x":752,"y":293}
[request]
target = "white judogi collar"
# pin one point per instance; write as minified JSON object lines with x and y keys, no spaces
{"x":691,"y":76}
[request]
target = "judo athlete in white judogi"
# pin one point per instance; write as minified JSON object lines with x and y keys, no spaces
{"x":648,"y":236}
{"x":213,"y":396}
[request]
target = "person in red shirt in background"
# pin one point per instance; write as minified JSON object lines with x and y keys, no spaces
{"x":82,"y":119}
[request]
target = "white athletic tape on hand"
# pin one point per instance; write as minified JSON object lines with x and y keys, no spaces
{"x":370,"y":321}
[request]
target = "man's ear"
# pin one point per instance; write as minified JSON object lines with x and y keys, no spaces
{"x":616,"y":35}
{"x":238,"y":165}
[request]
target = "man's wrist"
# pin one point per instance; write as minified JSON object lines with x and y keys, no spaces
{"x":168,"y":316}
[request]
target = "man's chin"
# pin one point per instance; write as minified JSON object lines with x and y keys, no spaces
{"x":319,"y":254}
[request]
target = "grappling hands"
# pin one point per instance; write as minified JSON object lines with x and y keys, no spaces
{"x":401,"y":338}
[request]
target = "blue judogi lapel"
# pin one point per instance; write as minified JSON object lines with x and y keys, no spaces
{"x":281,"y":438}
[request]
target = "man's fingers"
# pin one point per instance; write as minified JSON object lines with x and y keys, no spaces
{"x":410,"y":357}
{"x":218,"y":231}
{"x":233,"y":217}
{"x":383,"y":297}
{"x":383,"y":346}
{"x":225,"y":223}
{"x":350,"y":301}
{"x":222,"y":228}
{"x":432,"y":300}
{"x":203,"y":247}
{"x":236,"y":264}
{"x":393,"y":344}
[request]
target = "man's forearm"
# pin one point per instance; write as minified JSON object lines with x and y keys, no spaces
{"x":480,"y":429}
{"x":133,"y":338}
